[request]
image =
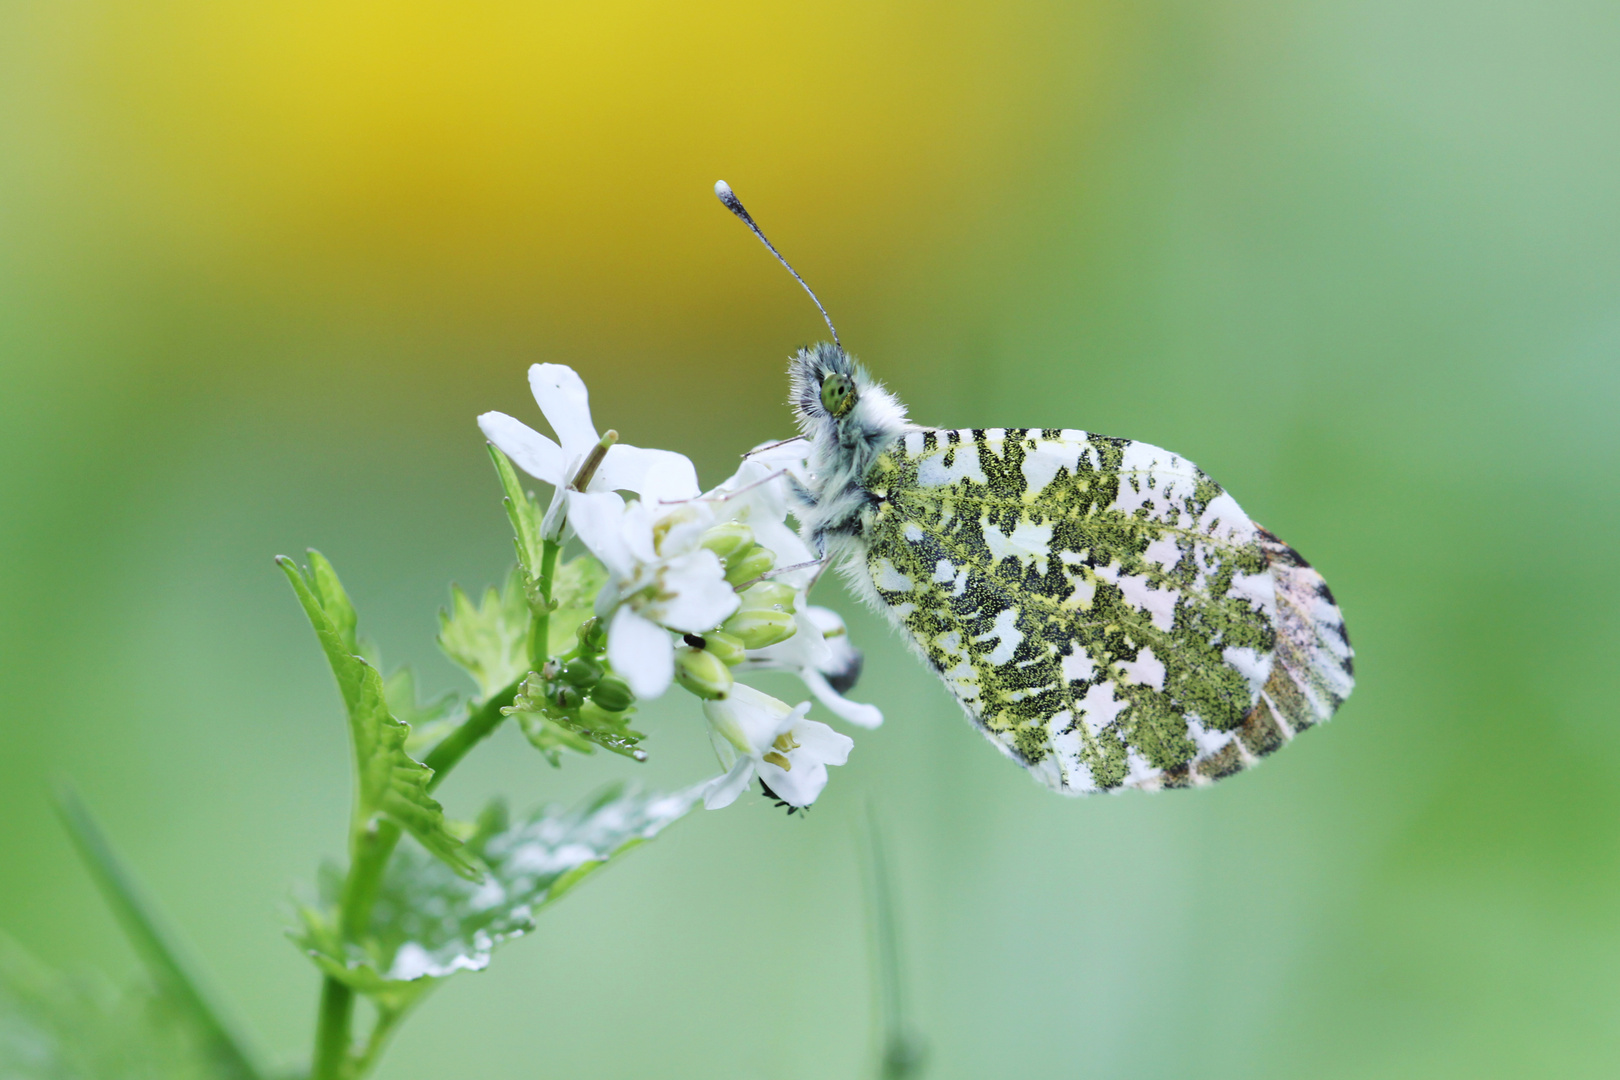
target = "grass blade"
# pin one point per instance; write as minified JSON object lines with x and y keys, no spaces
{"x":900,"y":1050}
{"x":153,"y":941}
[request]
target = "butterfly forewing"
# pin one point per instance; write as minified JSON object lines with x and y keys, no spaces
{"x":1104,"y":611}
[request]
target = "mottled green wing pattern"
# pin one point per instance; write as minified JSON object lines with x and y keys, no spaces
{"x":1104,"y":611}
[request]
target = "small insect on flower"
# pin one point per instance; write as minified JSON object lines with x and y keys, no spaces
{"x":1105,"y":612}
{"x":780,"y":803}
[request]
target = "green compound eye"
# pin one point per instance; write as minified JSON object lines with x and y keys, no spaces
{"x":837,"y":394}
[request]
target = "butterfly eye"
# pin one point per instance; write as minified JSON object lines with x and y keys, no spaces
{"x":837,"y":394}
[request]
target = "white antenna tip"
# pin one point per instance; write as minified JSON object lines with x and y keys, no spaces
{"x":723,"y":190}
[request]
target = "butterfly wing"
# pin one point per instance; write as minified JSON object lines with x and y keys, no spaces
{"x":1313,"y":671}
{"x":1103,"y":610}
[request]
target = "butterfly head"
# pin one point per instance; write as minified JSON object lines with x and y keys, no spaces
{"x":836,"y":402}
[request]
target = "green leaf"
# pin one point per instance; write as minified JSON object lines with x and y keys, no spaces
{"x":551,"y":729}
{"x":390,"y":781}
{"x":334,"y":600}
{"x":177,"y":980}
{"x":523,"y":514}
{"x":489,"y":641}
{"x":428,"y":924}
{"x":429,"y":721}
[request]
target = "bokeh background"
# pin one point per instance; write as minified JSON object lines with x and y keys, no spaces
{"x":262,"y":263}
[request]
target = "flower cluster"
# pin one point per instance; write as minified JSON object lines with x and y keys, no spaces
{"x":701,"y":588}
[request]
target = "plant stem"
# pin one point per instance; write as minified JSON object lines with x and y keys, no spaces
{"x":376,"y":1041}
{"x":332,"y":1030}
{"x":474,"y":730}
{"x":540,"y":622}
{"x":369,"y":852}
{"x":373,"y":845}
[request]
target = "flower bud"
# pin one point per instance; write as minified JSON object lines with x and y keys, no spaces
{"x":592,"y":634}
{"x":749,"y":566}
{"x":755,"y":629}
{"x":582,"y":673}
{"x":568,"y":697}
{"x":613,"y":694}
{"x":767,"y":595}
{"x":595,"y":715}
{"x":732,"y":538}
{"x":724,"y":646}
{"x":701,"y":672}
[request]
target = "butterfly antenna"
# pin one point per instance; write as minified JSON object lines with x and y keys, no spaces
{"x":734,"y":204}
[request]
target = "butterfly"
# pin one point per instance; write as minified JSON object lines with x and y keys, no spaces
{"x":1105,"y":612}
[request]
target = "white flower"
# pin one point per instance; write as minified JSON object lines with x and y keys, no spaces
{"x":756,"y":496}
{"x":659,"y":580}
{"x":561,"y":395}
{"x":819,"y":653}
{"x":756,"y":735}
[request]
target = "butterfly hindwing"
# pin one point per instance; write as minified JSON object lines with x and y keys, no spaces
{"x":1314,"y":671}
{"x":1104,"y":611}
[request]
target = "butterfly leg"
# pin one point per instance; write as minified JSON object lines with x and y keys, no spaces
{"x":800,"y":494}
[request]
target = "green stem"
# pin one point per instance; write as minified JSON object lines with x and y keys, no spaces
{"x":540,"y":622}
{"x":373,"y":845}
{"x":332,"y":1030}
{"x":376,"y":1041}
{"x":474,"y":730}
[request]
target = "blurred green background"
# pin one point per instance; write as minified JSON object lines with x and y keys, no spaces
{"x":262,"y":263}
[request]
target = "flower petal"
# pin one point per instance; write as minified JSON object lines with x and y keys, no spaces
{"x":641,"y":653}
{"x":750,"y":717}
{"x":789,"y":549}
{"x":725,"y":751}
{"x":529,"y":450}
{"x":561,"y":395}
{"x":599,"y":519}
{"x":658,"y":475}
{"x":857,"y":713}
{"x":820,"y":743}
{"x":723,"y":790}
{"x":828,"y":621}
{"x":639,"y":520}
{"x":818,"y":746}
{"x":701,"y":599}
{"x":798,"y":786}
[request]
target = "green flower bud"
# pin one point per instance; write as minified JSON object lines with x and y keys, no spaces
{"x":593,"y":714}
{"x":592,"y":634}
{"x":612,"y":694}
{"x":701,"y":672}
{"x":755,"y":629}
{"x":766,"y":596}
{"x":747,"y":567}
{"x":568,"y":697}
{"x":582,"y":673}
{"x":726,"y":647}
{"x":732,"y":538}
